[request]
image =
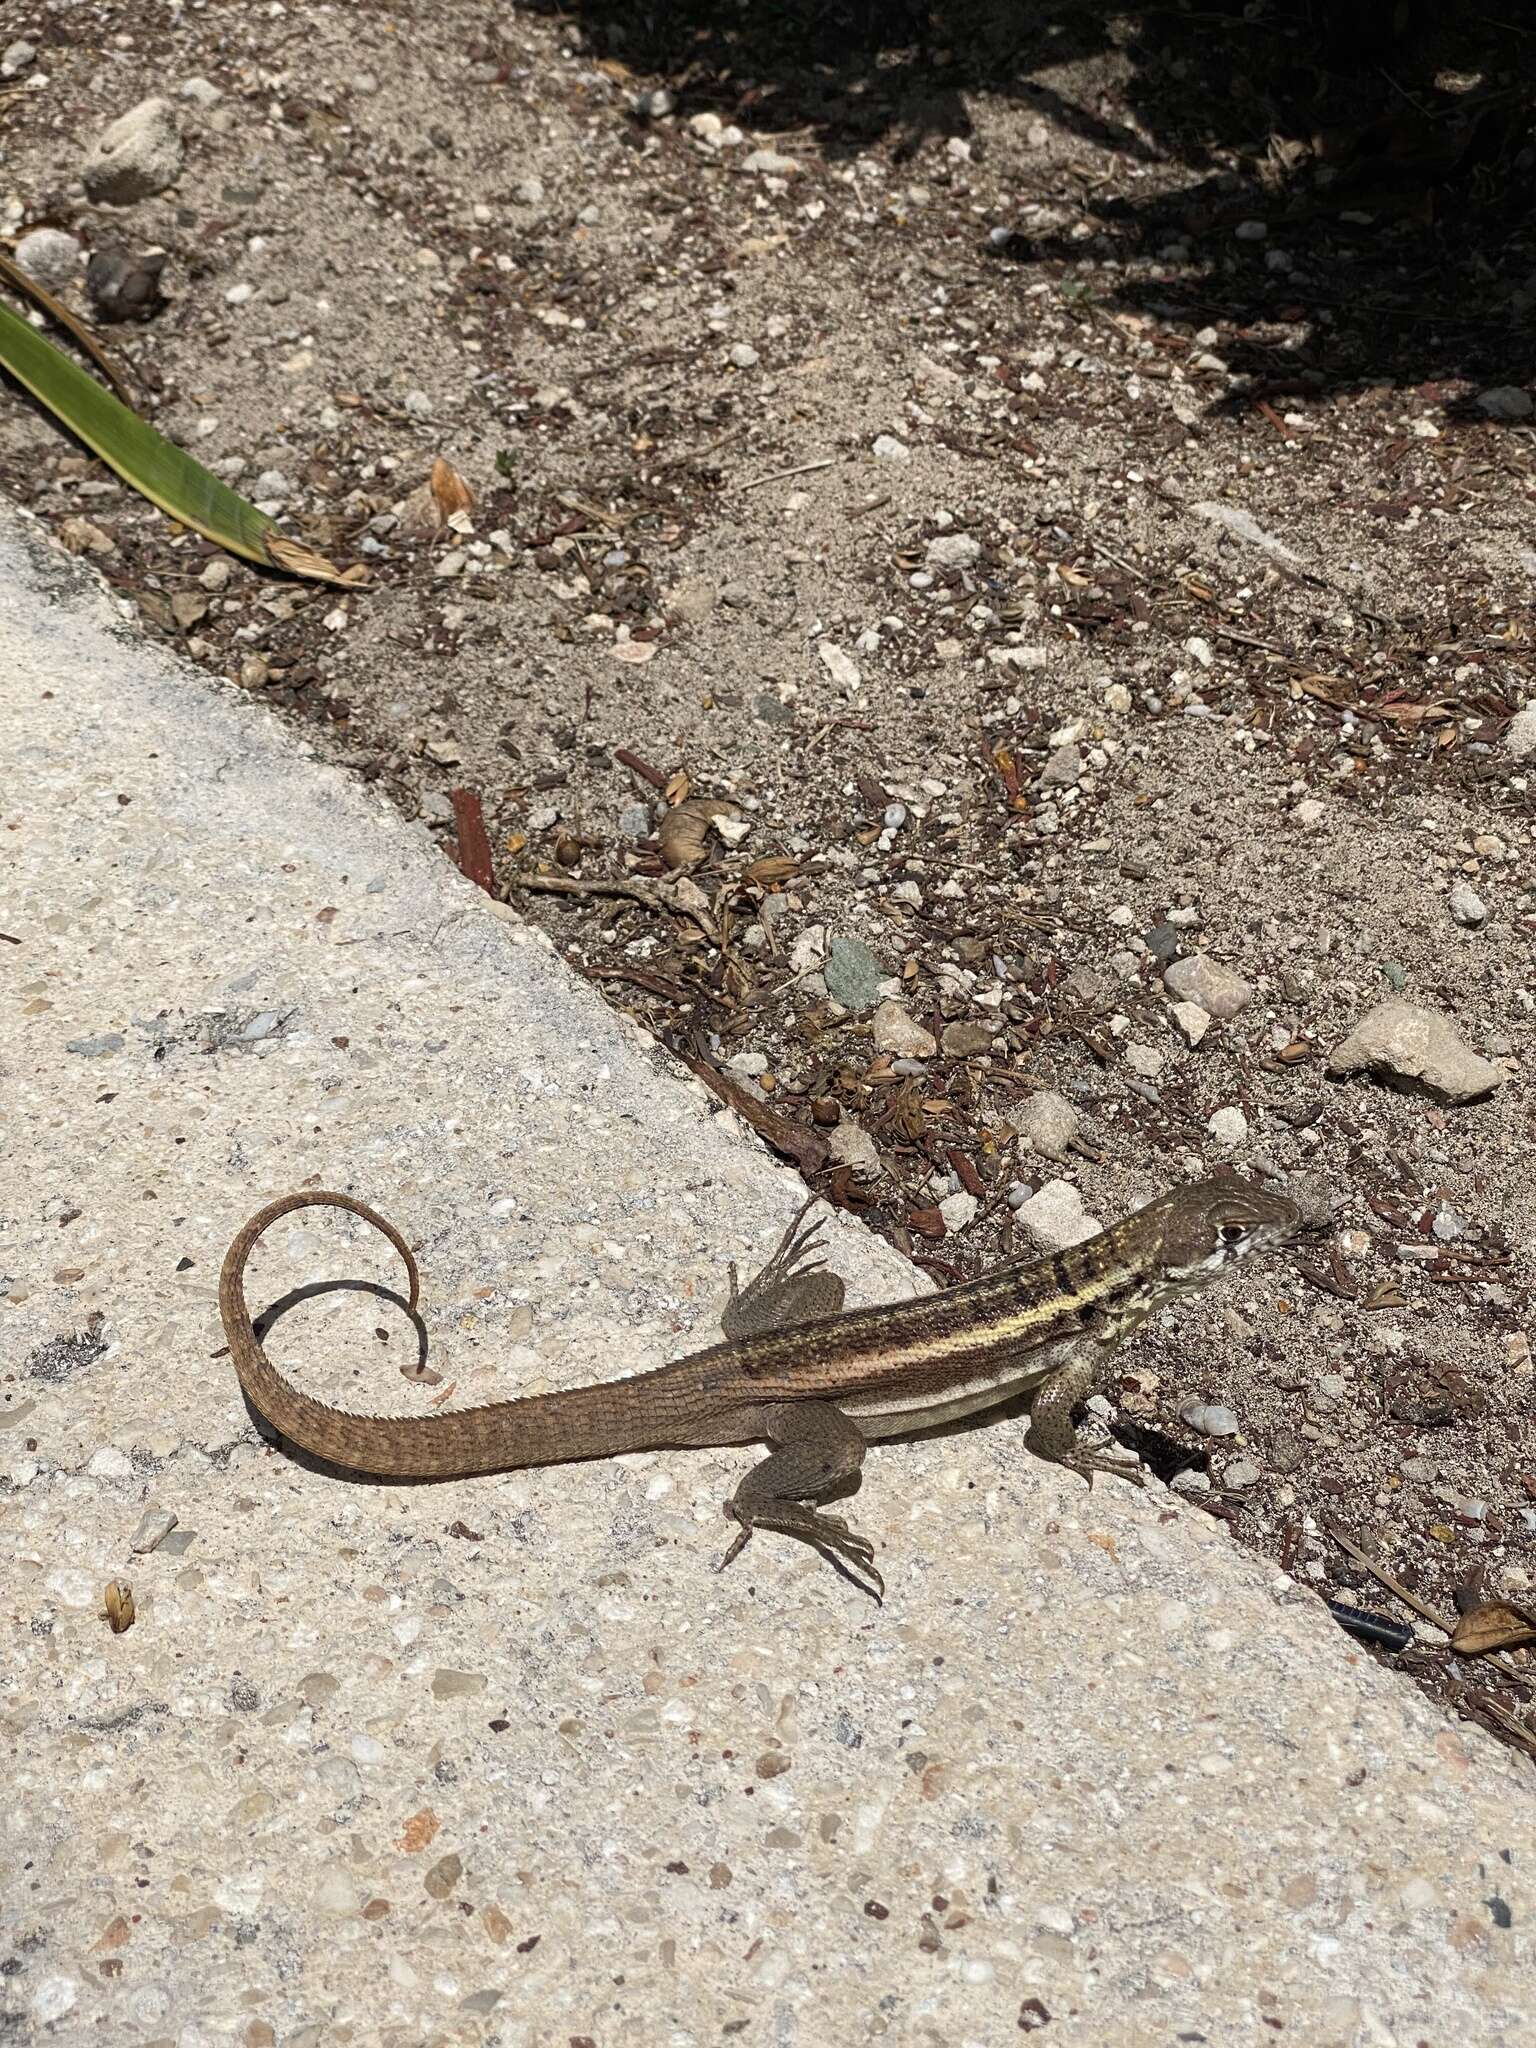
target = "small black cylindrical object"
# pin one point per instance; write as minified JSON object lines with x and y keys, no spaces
{"x":1371,"y":1628}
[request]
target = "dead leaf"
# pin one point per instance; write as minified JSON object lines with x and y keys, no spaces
{"x":683,"y":833}
{"x":773,"y":867}
{"x":300,"y":560}
{"x":1497,"y":1625}
{"x":450,"y":491}
{"x":1385,"y":1294}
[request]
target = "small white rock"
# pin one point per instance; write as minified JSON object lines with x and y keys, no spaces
{"x":897,"y":1032}
{"x":851,"y":1145}
{"x":1191,"y":1022}
{"x":1521,"y":736}
{"x":959,"y":1211}
{"x":1467,"y":907}
{"x":1055,"y":1217}
{"x":1217,"y":989}
{"x":1229,"y":1127}
{"x":1413,"y":1045}
{"x":841,"y":667}
{"x":1048,"y":1123}
{"x":886,"y":448}
{"x":49,"y":255}
{"x":954,"y":550}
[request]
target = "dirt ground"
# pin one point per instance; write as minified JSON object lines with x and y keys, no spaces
{"x":1060,"y":483}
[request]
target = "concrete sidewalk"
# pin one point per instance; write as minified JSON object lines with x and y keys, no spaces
{"x":504,"y":1760}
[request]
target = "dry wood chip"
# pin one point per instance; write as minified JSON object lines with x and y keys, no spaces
{"x":807,"y":1148}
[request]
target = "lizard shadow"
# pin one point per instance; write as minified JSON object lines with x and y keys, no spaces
{"x":273,"y":1314}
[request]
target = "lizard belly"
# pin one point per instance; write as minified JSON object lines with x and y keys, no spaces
{"x":881,"y":1414}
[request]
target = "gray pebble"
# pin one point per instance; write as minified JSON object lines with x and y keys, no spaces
{"x":1467,"y":907}
{"x":155,"y":1524}
{"x":853,"y":974}
{"x":51,"y":256}
{"x":1208,"y":1419}
{"x":1063,"y":769}
{"x":136,"y":156}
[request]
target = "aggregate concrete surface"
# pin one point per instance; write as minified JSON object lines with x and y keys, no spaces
{"x":505,"y":1760}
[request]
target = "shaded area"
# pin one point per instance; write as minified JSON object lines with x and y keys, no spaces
{"x":1387,"y":152}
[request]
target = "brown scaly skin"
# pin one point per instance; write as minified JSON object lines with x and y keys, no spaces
{"x":796,"y":1370}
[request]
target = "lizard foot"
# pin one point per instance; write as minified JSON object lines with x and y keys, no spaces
{"x":850,"y":1554}
{"x":1089,"y":1462}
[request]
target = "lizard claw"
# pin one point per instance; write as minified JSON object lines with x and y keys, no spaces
{"x":850,"y":1554}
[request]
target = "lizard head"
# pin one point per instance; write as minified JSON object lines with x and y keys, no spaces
{"x":1213,"y":1223}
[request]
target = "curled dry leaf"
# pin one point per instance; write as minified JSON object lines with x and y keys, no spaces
{"x":119,"y":1605}
{"x":449,"y":490}
{"x":684,"y":832}
{"x":443,"y":500}
{"x":1497,"y":1625}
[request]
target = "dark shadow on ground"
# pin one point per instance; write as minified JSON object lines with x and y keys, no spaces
{"x":1389,"y":150}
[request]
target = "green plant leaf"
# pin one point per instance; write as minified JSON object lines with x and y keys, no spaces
{"x":162,"y":472}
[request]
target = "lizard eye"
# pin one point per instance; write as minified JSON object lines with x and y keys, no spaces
{"x":1232,"y":1233}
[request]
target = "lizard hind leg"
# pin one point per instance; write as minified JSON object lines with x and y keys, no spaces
{"x":816,"y":1456}
{"x":792,"y":1288}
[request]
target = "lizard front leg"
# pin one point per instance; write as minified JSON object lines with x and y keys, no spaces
{"x":1052,"y":1434}
{"x":793,"y":1287}
{"x":816,"y":1452}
